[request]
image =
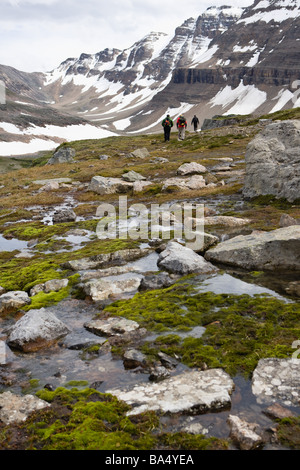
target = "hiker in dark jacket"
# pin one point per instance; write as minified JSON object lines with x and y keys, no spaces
{"x":195,"y":122}
{"x":181,"y":126}
{"x":167,"y":125}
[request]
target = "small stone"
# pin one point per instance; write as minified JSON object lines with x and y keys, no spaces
{"x":113,"y":326}
{"x":132,"y":176}
{"x":277,"y":411}
{"x":13,"y":300}
{"x":191,"y":169}
{"x":55,"y":285}
{"x":244,"y":433}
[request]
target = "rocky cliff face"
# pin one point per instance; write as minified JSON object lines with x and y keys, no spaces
{"x":226,"y":61}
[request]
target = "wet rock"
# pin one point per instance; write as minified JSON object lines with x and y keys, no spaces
{"x":102,"y":289}
{"x":158,"y":372}
{"x":139,"y":153}
{"x":133,"y":359}
{"x":104,"y":260}
{"x":182,"y":260}
{"x":100,"y":273}
{"x":113,"y":326}
{"x":192,"y":168}
{"x":132,"y":176}
{"x":167,"y":360}
{"x":35,"y":330}
{"x":16,"y":409}
{"x":13,"y":300}
{"x":277,"y":411}
{"x":272,"y":162}
{"x":191,"y":392}
{"x":192,"y":427}
{"x":278,"y":249}
{"x":62,"y":155}
{"x":102,"y":185}
{"x":293,"y":288}
{"x":156,"y":281}
{"x":244,"y":433}
{"x":277,"y":380}
{"x":66,"y":215}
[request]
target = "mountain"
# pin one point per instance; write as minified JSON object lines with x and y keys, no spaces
{"x":226,"y":61}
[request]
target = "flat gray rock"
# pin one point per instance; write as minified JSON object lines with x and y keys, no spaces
{"x":113,"y":326}
{"x":192,"y":392}
{"x":277,"y":380}
{"x":16,"y":408}
{"x":278,"y":249}
{"x":179,"y":259}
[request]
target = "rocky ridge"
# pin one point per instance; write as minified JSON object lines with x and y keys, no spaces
{"x":226,"y":61}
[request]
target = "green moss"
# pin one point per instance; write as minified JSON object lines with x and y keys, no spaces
{"x":86,"y":419}
{"x":239,"y":329}
{"x":96,"y":421}
{"x":181,"y":440}
{"x":289,"y":432}
{"x":19,"y":274}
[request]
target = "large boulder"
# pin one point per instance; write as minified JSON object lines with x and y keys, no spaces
{"x":102,"y":185}
{"x":273,"y":162}
{"x":35,"y":330}
{"x":63,"y":155}
{"x":179,"y":259}
{"x":266,"y":251}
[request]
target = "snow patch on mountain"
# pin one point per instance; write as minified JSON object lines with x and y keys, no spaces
{"x":247,"y":99}
{"x":282,"y":10}
{"x":46,"y":138}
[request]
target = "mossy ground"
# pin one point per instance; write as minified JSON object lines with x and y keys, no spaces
{"x":89,"y":420}
{"x":240,"y":329}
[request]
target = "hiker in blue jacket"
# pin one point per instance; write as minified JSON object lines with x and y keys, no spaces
{"x":167,"y":125}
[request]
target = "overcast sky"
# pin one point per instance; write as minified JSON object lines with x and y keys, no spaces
{"x":37,"y":35}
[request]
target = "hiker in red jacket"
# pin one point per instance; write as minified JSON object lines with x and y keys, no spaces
{"x":181,"y":126}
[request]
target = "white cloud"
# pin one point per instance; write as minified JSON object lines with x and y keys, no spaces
{"x":37,"y":35}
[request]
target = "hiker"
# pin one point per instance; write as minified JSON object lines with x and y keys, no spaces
{"x":181,"y":126}
{"x":195,"y":122}
{"x":167,"y":125}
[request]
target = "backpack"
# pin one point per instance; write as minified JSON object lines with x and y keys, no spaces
{"x":167,"y":123}
{"x":182,"y":121}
